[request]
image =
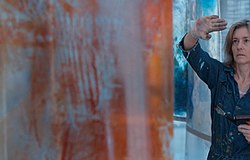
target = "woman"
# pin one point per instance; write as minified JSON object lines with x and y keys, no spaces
{"x":228,"y":82}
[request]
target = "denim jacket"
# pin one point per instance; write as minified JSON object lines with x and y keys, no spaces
{"x":226,"y":142}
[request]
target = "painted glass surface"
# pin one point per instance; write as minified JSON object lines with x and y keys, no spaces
{"x":180,"y":64}
{"x":233,"y":11}
{"x":86,"y":79}
{"x":198,"y":108}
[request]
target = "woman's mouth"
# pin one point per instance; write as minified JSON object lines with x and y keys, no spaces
{"x":240,"y":55}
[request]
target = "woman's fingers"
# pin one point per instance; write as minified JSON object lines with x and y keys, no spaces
{"x":245,"y":130}
{"x":213,"y":23}
{"x":207,"y":24}
{"x":217,"y":24}
{"x":213,"y":16}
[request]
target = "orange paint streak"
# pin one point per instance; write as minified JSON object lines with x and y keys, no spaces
{"x":155,"y":20}
{"x":118,"y":120}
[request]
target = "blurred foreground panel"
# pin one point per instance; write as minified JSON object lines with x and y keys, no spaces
{"x":86,"y":80}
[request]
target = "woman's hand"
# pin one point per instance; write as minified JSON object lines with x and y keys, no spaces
{"x":245,"y":130}
{"x":205,"y":25}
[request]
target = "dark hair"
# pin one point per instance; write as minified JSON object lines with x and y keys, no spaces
{"x":228,"y":58}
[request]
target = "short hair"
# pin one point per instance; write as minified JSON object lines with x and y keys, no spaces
{"x":228,"y":55}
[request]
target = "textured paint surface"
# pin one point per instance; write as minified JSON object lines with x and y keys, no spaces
{"x":86,"y":80}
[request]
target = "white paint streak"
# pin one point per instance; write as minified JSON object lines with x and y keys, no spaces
{"x":132,"y":66}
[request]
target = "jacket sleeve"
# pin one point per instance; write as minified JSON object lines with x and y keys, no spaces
{"x":205,"y":66}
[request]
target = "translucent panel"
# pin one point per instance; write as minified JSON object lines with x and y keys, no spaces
{"x":233,"y":11}
{"x":180,"y":63}
{"x":198,"y":108}
{"x":86,"y":80}
{"x":198,"y":148}
{"x":199,"y":101}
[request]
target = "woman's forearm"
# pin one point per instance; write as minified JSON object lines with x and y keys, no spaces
{"x":189,"y":41}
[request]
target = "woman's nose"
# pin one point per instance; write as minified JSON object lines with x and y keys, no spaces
{"x":240,"y":44}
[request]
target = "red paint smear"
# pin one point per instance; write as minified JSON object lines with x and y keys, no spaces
{"x":66,"y":148}
{"x":18,"y":6}
{"x":91,"y":100}
{"x":17,"y":36}
{"x":84,"y":8}
{"x":69,"y":81}
{"x":88,"y":7}
{"x":118,"y":119}
{"x":21,"y":6}
{"x":77,"y":70}
{"x":19,"y":33}
{"x":85,"y":142}
{"x":40,"y":87}
{"x":72,"y":81}
{"x":94,"y":49}
{"x":67,"y":7}
{"x":91,"y":92}
{"x":70,"y":141}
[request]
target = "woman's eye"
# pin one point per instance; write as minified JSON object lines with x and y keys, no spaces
{"x":235,"y":41}
{"x":246,"y":40}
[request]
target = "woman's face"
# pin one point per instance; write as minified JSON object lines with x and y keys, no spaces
{"x":241,"y":46}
